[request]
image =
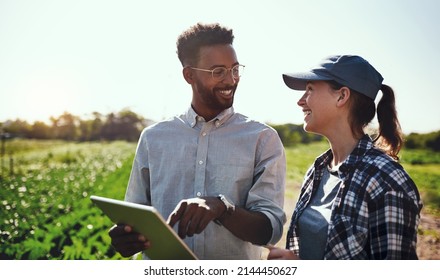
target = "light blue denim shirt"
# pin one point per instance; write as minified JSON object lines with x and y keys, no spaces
{"x":186,"y":157}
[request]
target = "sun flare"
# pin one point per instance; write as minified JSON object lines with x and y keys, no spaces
{"x":48,"y":96}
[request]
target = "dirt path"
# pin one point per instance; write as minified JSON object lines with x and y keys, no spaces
{"x":428,"y":243}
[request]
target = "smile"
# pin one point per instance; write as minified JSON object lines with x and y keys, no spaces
{"x":226,"y":92}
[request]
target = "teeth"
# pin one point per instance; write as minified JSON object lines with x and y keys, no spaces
{"x":307,"y":112}
{"x":225,"y":92}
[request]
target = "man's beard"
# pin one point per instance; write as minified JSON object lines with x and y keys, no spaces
{"x":213,"y":99}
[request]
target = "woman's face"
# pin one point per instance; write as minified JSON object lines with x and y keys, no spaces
{"x":319,"y":106}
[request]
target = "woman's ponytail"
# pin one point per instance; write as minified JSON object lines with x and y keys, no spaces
{"x":390,"y":137}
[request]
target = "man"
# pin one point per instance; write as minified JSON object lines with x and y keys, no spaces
{"x":217,"y":175}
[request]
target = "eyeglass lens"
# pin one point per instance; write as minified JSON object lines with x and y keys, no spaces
{"x":221,"y":72}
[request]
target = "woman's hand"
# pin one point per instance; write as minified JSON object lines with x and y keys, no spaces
{"x":280,"y":254}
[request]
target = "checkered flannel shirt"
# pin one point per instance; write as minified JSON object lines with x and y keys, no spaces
{"x":376,"y":212}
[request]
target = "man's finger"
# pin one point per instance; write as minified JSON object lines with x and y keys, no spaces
{"x":194,"y":223}
{"x":186,"y":220}
{"x":176,"y":214}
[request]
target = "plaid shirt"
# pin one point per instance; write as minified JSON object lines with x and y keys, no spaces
{"x":376,"y":211}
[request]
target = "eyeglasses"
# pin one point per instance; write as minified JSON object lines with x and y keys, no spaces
{"x":219,"y":73}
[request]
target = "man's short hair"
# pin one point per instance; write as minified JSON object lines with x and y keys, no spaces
{"x":199,"y":35}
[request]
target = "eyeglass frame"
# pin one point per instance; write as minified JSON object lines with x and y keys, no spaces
{"x":227,"y":70}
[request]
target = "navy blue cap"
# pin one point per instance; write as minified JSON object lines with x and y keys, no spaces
{"x":349,"y":70}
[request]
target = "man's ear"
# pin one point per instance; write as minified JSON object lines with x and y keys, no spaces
{"x":188,"y":75}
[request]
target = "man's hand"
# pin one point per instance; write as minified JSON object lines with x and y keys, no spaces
{"x":126,"y":241}
{"x":195,"y":214}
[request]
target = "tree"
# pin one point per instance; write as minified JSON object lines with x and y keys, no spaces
{"x":96,"y":127}
{"x":433,"y":141}
{"x":85,"y":130}
{"x":125,"y":125}
{"x":40,"y":130}
{"x":65,"y":127}
{"x":17,"y":128}
{"x":423,"y":141}
{"x":291,"y":134}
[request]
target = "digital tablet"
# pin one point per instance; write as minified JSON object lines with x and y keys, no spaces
{"x":165,"y":243}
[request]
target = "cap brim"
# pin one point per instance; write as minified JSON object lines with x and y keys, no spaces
{"x":298,"y":81}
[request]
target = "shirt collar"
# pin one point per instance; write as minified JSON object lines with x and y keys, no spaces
{"x":191,"y":117}
{"x":363,"y":146}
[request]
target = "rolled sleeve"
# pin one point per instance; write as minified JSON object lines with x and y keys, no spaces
{"x":267,"y":194}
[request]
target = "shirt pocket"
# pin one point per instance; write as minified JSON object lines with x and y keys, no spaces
{"x":347,"y":237}
{"x":233,"y":180}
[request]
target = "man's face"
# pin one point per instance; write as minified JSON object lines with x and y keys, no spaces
{"x":211,"y":96}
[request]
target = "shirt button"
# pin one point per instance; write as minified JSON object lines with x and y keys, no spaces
{"x":199,"y":194}
{"x":204,"y":134}
{"x":200,"y":161}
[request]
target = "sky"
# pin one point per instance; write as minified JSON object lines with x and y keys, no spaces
{"x":105,"y":56}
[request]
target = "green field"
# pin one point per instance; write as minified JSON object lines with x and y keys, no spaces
{"x":45,"y":208}
{"x":46,"y":213}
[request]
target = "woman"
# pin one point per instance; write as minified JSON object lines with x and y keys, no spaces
{"x":356,"y":202}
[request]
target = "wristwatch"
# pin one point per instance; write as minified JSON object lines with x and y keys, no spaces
{"x":230,"y":207}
